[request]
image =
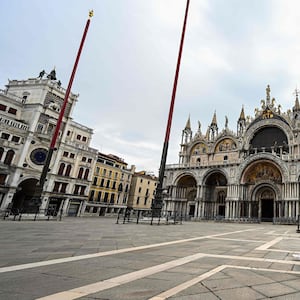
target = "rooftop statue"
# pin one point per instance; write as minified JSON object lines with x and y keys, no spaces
{"x":41,"y":75}
{"x":52,"y":75}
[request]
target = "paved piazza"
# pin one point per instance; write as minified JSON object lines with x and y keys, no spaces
{"x":95,"y":258}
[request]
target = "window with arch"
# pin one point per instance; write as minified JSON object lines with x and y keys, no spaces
{"x":9,"y":157}
{"x":86,"y":174}
{"x":61,"y":169}
{"x":68,"y":170}
{"x":120,"y":188}
{"x":80,"y":173}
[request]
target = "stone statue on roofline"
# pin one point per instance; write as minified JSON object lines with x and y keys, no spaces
{"x":41,"y":75}
{"x":52,"y":75}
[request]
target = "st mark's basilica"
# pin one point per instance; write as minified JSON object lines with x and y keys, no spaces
{"x":249,"y":175}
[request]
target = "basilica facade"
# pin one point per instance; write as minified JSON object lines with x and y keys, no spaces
{"x":248,"y":175}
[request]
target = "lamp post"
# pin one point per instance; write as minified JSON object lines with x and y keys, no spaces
{"x":40,"y":185}
{"x":158,"y":199}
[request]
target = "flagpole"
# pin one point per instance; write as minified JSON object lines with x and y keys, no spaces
{"x":40,"y":185}
{"x":158,"y":199}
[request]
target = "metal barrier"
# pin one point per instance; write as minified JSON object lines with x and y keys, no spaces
{"x":40,"y":214}
{"x":147,"y":217}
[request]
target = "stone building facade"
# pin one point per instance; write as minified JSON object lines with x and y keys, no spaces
{"x":142,"y":191}
{"x":110,"y":187}
{"x":29,"y":111}
{"x":251,"y":174}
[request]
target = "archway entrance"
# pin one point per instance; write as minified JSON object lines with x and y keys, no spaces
{"x":215,"y":195}
{"x":262,"y":183}
{"x":186,"y":192}
{"x":23,"y":198}
{"x":266,"y":199}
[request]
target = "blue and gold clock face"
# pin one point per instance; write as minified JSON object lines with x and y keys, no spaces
{"x":38,"y":156}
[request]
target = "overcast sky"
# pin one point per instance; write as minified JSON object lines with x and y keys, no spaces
{"x":232,"y":50}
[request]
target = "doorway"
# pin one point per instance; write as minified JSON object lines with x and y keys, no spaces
{"x":267,"y":198}
{"x":267,"y":210}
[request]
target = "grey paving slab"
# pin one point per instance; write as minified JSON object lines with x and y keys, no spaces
{"x":274,"y":289}
{"x":28,"y":241}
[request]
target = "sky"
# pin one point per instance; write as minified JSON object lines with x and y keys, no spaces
{"x":233,"y":49}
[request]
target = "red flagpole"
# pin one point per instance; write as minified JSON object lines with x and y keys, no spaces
{"x":63,"y":108}
{"x":158,"y":200}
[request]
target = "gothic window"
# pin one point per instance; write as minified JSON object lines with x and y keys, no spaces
{"x":9,"y":157}
{"x":61,"y":169}
{"x":86,"y":174}
{"x":80,"y":173}
{"x":68,"y":170}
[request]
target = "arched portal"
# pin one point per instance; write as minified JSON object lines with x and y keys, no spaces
{"x":23,"y":198}
{"x":262,"y":183}
{"x":265,"y":198}
{"x":186,"y":192}
{"x":215,"y":187}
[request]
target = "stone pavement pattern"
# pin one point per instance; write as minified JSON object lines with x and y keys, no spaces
{"x":94,"y":258}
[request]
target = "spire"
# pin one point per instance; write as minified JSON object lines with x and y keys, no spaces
{"x":188,"y":124}
{"x":297,"y":106}
{"x":242,"y":114}
{"x":268,"y":90}
{"x":214,"y":119}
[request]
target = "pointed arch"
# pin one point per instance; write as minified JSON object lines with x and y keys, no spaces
{"x":61,"y":169}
